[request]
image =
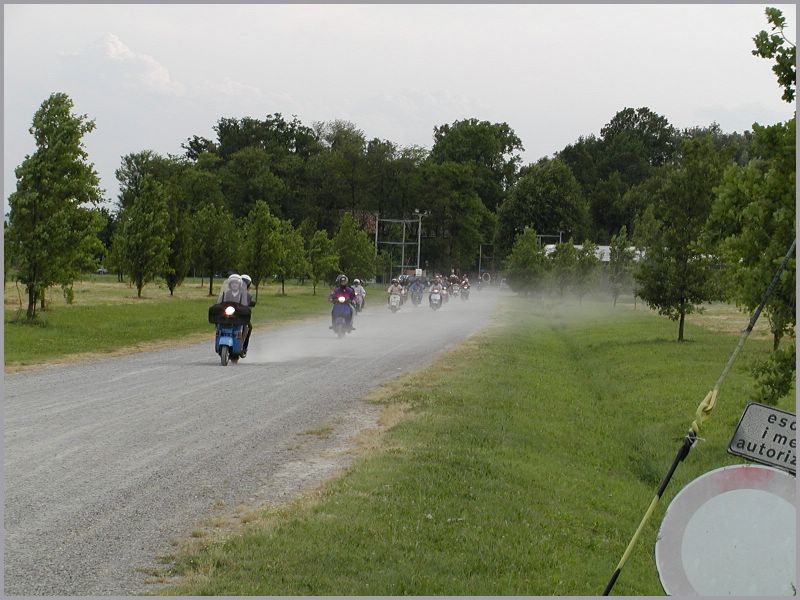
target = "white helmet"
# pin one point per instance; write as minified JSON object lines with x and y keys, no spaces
{"x":247,"y":280}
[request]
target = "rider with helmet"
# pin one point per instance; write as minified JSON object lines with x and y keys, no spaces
{"x":233,"y":290}
{"x":395,"y":287}
{"x":250,"y":302}
{"x":343,"y":289}
{"x":361,"y":293}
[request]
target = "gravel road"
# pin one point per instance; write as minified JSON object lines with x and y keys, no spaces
{"x":106,"y":461}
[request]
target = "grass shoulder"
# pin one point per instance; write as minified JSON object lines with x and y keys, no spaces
{"x":520,"y":464}
{"x":106,"y":318}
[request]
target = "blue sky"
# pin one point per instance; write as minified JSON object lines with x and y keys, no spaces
{"x":153,"y":75}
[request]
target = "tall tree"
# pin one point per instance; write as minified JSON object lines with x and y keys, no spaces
{"x":179,"y":256}
{"x":753,"y":223}
{"x":144,"y":234}
{"x":50,"y":227}
{"x":547,"y":198}
{"x":216,"y":241}
{"x":674,"y":275}
{"x":620,"y":264}
{"x":291,"y":256}
{"x":356,"y":251}
{"x":563,"y":265}
{"x":322,"y":258}
{"x":247,"y":177}
{"x":776,"y":45}
{"x":527,"y":264}
{"x":492,"y":150}
{"x":457,"y":222}
{"x":586,"y":269}
{"x":262,"y":244}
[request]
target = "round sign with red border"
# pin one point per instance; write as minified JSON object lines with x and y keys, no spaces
{"x":730,"y":532}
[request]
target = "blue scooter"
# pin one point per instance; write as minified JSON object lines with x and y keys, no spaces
{"x":342,"y":316}
{"x":230,"y":319}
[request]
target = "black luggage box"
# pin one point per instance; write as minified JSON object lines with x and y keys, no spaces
{"x":217,"y":316}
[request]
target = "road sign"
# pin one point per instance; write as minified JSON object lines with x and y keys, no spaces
{"x":766,"y":435}
{"x":730,"y":532}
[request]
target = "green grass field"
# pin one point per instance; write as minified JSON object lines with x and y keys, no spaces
{"x":106,"y":316}
{"x":523,"y":465}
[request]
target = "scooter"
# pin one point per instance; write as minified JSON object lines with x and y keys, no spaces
{"x":230,"y":319}
{"x":464,"y":293}
{"x":435,"y":300}
{"x":416,"y":297}
{"x":394,"y":302}
{"x":341,"y":314}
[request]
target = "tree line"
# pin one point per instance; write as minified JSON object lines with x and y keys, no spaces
{"x":275,"y":197}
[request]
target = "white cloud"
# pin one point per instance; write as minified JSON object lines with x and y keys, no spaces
{"x":143,"y":68}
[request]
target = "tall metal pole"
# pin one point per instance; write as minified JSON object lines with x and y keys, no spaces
{"x":480,"y":255}
{"x":419,"y":236}
{"x":403,"y":251}
{"x":377,"y":223}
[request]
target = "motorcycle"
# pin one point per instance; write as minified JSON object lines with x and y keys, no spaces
{"x":464,"y":293}
{"x":230,"y":319}
{"x":435,"y":300}
{"x":359,"y":303}
{"x":416,"y":297}
{"x":341,"y":313}
{"x":445,"y":296}
{"x":455,"y":290}
{"x":394,"y":302}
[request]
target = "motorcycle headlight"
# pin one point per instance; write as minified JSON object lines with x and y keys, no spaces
{"x":342,"y":299}
{"x":229,"y":310}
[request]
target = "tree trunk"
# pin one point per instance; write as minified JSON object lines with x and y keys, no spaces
{"x":680,"y":324}
{"x":211,"y":285}
{"x":31,"y":303}
{"x":776,"y":340}
{"x":256,"y":293}
{"x":41,"y":299}
{"x":283,"y":289}
{"x":314,"y":288}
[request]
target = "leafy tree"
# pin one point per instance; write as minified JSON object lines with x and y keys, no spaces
{"x":179,"y":257}
{"x":200,"y":183}
{"x":50,"y":229}
{"x":356,"y":251}
{"x":262,"y":244}
{"x":133,"y":170}
{"x":492,"y":150}
{"x":216,"y":241}
{"x":564,"y":265}
{"x":290,"y":259}
{"x":548,"y":199}
{"x":322,"y":258}
{"x":777,"y":46}
{"x":527,"y":264}
{"x":620,"y":264}
{"x":656,"y":137}
{"x":247,"y":177}
{"x":753,"y":223}
{"x":674,"y":275}
{"x":586,"y":268}
{"x":775,"y":375}
{"x":144,"y":234}
{"x":457,"y":222}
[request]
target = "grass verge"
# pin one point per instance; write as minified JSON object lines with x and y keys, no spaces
{"x":526,"y":460}
{"x":107,"y":317}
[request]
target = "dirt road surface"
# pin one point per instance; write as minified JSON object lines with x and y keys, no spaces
{"x":106,"y":461}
